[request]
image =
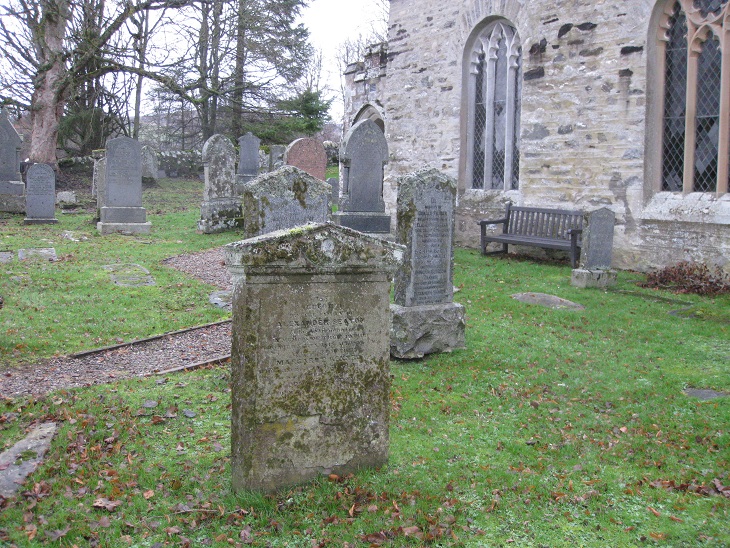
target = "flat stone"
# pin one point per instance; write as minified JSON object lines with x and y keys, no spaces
{"x":704,"y":394}
{"x":6,"y":256}
{"x":48,"y":253}
{"x":222,"y":299}
{"x":548,"y":301}
{"x":129,"y":275}
{"x":21,"y":460}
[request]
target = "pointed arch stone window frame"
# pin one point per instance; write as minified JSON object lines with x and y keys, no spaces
{"x":482,"y":60}
{"x":700,"y":29}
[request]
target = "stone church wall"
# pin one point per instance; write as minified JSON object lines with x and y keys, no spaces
{"x":583,"y":120}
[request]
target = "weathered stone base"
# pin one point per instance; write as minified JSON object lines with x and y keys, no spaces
{"x":40,"y":221}
{"x":592,"y":278}
{"x":123,"y":215}
{"x":220,"y":216}
{"x":209,"y":226}
{"x":124,"y":228}
{"x":367,"y":222}
{"x":420,"y":330}
{"x":12,"y":204}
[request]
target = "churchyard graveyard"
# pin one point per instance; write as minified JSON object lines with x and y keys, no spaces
{"x":552,"y":427}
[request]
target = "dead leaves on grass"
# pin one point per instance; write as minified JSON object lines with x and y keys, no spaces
{"x":714,"y":488}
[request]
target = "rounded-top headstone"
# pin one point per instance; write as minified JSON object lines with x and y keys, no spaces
{"x":309,"y":155}
{"x":219,"y":160}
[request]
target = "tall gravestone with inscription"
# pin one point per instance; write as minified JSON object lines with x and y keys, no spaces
{"x":284,"y":198}
{"x":425,"y":318}
{"x":364,"y":155}
{"x":40,"y":195}
{"x":249,"y":160}
{"x":12,"y":189}
{"x":596,"y":253}
{"x":122,"y":209}
{"x":310,"y":369}
{"x":307,"y":154}
{"x":221,"y":208}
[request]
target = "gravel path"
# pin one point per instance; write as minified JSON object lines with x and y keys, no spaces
{"x":168,"y":352}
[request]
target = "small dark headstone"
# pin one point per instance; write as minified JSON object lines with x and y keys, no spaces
{"x":248,"y":159}
{"x":364,"y":154}
{"x":40,"y":195}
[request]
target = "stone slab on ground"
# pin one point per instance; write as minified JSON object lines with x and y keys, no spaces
{"x":48,"y":253}
{"x":705,"y":394}
{"x":548,"y":301}
{"x":129,"y":275}
{"x":18,"y":462}
{"x":6,"y":256}
{"x":420,"y":330}
{"x":222,"y":299}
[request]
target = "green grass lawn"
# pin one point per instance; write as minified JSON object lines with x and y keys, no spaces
{"x":552,"y":428}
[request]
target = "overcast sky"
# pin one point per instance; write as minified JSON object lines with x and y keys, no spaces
{"x":331,"y":22}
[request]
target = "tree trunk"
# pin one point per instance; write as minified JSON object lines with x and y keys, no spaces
{"x":51,"y":85}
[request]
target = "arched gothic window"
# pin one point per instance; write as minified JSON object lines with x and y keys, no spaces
{"x":695,"y":149}
{"x":493,"y":154}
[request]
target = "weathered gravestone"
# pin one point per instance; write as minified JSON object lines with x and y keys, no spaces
{"x":284,"y":198}
{"x":364,"y":154}
{"x":249,"y":160}
{"x":596,"y":251}
{"x":99,"y":183}
{"x":276,"y":157}
{"x":12,"y":189}
{"x":425,"y":318}
{"x":40,"y":195}
{"x":150,"y":166}
{"x":122,"y":209}
{"x":310,"y":369}
{"x":334,"y":182}
{"x":99,"y":166}
{"x":221,"y":208}
{"x":307,"y":154}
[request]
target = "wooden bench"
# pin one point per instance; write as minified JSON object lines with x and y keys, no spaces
{"x":537,"y":227}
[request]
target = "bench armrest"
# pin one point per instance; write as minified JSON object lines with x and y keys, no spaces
{"x":495,"y":222}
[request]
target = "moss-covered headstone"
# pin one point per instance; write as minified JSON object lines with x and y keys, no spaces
{"x":425,"y":318}
{"x":310,"y":363}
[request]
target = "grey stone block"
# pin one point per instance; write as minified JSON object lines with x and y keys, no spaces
{"x":420,"y":330}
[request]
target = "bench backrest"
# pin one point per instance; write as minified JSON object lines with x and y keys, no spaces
{"x":542,"y":222}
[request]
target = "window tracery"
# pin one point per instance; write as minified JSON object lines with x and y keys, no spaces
{"x":696,"y":96}
{"x":496,"y":70}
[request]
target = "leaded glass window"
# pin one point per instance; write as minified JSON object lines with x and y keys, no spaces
{"x":696,"y":103}
{"x":675,"y":102}
{"x":494,"y":111}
